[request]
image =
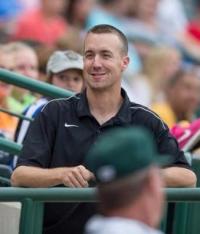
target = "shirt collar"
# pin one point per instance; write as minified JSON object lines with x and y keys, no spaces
{"x":123,"y":116}
{"x":83,"y":107}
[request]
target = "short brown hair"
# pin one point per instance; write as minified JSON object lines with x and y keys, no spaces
{"x":106,"y":28}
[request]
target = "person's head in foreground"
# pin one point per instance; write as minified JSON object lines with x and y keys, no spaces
{"x":126,"y":166}
{"x":65,"y":70}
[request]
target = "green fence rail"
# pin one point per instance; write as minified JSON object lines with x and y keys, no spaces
{"x":33,"y":85}
{"x":32,"y":200}
{"x":85,"y":194}
{"x":16,"y":115}
{"x":10,"y":146}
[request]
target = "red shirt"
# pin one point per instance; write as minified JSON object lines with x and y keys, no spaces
{"x":33,"y":25}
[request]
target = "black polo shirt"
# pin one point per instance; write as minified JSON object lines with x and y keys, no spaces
{"x":61,"y":136}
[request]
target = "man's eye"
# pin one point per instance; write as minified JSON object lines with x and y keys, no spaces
{"x":106,"y":55}
{"x":88,"y":55}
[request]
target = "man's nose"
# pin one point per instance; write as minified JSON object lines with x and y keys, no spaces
{"x":97,"y":62}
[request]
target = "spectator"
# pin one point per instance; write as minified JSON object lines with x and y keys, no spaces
{"x":129,"y":173}
{"x":78,"y":11}
{"x":182,"y":98}
{"x":25,"y":63}
{"x":44,"y":24}
{"x":161,"y":63}
{"x":57,"y":142}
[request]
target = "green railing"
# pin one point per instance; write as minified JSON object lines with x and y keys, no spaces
{"x":32,"y":200}
{"x":36,"y":86}
{"x":15,"y":114}
{"x":33,"y":85}
{"x":10,"y":146}
{"x":84,"y":194}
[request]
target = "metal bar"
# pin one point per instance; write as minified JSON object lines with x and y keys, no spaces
{"x":10,"y":146}
{"x":48,"y":194}
{"x":183,"y":194}
{"x":16,"y":115}
{"x":33,"y":85}
{"x":5,"y":181}
{"x":27,"y":217}
{"x":85,"y":194}
{"x":38,"y":217}
{"x":31,"y":217}
{"x":180,"y":218}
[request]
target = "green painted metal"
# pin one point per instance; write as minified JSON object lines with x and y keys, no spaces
{"x":180,"y":218}
{"x":4,"y":181}
{"x":31,"y":217}
{"x":38,"y":217}
{"x":10,"y":146}
{"x":16,"y":115}
{"x":183,"y":194}
{"x":48,"y":194}
{"x":33,"y":85}
{"x":85,"y":194}
{"x":32,"y":203}
{"x":26,"y":224}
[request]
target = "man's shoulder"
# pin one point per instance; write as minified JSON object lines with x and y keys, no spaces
{"x":138,"y":109}
{"x":61,"y":102}
{"x":145,"y":115}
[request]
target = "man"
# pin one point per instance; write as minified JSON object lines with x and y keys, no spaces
{"x":129,"y":183}
{"x":61,"y":135}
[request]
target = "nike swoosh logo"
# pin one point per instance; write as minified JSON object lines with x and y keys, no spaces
{"x":186,"y":134}
{"x":70,"y":125}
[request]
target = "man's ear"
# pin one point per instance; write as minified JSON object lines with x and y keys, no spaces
{"x":125,"y":62}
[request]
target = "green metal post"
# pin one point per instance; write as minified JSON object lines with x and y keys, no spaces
{"x":38,"y":217}
{"x":27,"y":217}
{"x":180,"y":218}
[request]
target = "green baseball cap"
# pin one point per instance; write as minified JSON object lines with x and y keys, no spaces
{"x":121,"y":152}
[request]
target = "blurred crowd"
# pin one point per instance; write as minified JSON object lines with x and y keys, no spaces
{"x":164,"y":48}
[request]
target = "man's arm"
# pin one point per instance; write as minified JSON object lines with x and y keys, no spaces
{"x":179,"y":177}
{"x":178,"y":173}
{"x":29,"y":176}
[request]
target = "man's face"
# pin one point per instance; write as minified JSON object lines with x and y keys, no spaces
{"x":71,"y":79}
{"x":104,"y":61}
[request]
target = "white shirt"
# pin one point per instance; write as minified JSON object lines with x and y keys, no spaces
{"x":116,"y":225}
